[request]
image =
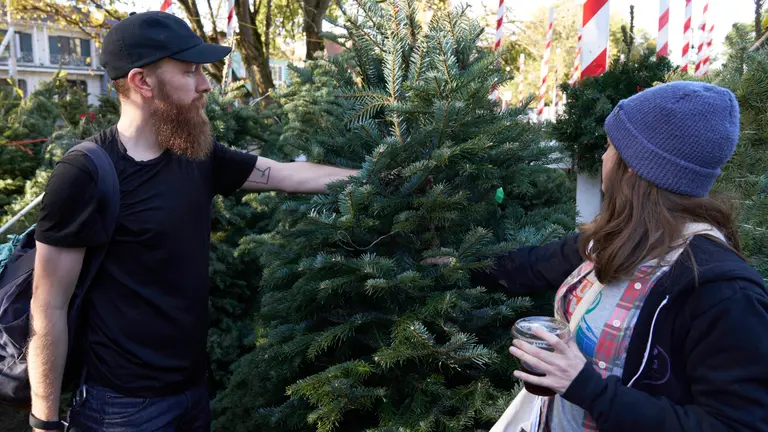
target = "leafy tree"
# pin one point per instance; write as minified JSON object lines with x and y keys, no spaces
{"x":89,"y":16}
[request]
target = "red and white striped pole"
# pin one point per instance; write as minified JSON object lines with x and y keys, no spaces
{"x":687,"y":35}
{"x":521,"y":79}
{"x":231,"y":19}
{"x":702,"y":40}
{"x":662,"y":41}
{"x":576,"y":71}
{"x":545,"y":65}
{"x":707,"y":51}
{"x":230,"y":41}
{"x":497,"y":43}
{"x":166,"y":6}
{"x":595,"y":20}
{"x":554,"y":92}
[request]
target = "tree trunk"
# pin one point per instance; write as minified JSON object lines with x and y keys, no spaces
{"x":255,"y":58}
{"x":314,"y":12}
{"x":267,"y":28}
{"x":193,"y":14}
{"x":759,"y":19}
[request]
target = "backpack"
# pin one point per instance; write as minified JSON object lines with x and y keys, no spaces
{"x":16,"y":292}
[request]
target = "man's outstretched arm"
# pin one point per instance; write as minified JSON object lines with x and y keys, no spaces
{"x":293,"y":177}
{"x":56,"y":273}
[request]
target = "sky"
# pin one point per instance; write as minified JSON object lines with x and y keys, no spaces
{"x":722,"y":13}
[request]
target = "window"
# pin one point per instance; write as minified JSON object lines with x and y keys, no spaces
{"x":22,"y":84}
{"x":79,"y":84}
{"x":69,"y":51}
{"x":277,"y":74}
{"x":5,"y":86}
{"x":4,"y":54}
{"x":25,"y":53}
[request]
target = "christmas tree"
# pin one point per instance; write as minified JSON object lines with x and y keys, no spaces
{"x":234,"y":273}
{"x":54,"y":117}
{"x":353,"y":331}
{"x":580,"y":128}
{"x":25,"y":125}
{"x":745,"y":177}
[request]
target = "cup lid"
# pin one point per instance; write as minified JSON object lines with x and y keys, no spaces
{"x":524,"y":327}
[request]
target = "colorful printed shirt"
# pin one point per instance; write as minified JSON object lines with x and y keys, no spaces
{"x":602,"y":335}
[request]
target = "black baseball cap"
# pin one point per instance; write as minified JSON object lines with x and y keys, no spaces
{"x":147,"y":37}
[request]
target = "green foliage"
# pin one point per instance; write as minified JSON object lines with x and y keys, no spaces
{"x":588,"y":103}
{"x":744,"y":177}
{"x":353,"y":333}
{"x":234,"y":277}
{"x":234,"y":272}
{"x":737,"y":43}
{"x":52,"y":117}
{"x":309,"y":104}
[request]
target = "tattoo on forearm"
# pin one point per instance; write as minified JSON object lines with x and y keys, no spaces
{"x":263,"y":178}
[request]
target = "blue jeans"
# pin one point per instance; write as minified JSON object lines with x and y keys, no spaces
{"x":103,"y":410}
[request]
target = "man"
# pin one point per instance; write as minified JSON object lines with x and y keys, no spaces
{"x":147,"y":308}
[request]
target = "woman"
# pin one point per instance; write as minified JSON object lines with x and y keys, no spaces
{"x":673,"y":342}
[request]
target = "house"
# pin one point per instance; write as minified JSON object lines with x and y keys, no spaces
{"x":42,"y":47}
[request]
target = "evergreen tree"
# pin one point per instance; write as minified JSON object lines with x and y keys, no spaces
{"x":745,"y":177}
{"x":234,"y":273}
{"x":589,"y":102}
{"x":353,"y":332}
{"x":52,"y":117}
{"x":25,"y":124}
{"x":58,"y":113}
{"x":737,"y":43}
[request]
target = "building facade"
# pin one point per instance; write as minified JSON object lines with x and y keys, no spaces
{"x":42,"y":48}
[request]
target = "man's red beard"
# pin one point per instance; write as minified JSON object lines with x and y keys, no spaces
{"x":182,"y":128}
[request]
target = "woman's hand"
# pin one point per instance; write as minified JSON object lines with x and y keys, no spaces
{"x":560,"y":367}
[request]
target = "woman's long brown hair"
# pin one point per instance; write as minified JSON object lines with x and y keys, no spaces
{"x":640,"y":221}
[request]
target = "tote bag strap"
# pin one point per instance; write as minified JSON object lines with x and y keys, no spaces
{"x":585,"y":302}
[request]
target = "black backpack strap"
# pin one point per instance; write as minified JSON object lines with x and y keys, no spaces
{"x":107,"y":184}
{"x":109,"y":205}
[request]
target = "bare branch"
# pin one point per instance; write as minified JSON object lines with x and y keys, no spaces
{"x":213,"y":20}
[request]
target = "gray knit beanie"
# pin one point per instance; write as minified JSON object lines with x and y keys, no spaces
{"x":677,"y":135}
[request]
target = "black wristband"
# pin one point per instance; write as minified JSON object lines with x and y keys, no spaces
{"x":36,"y":423}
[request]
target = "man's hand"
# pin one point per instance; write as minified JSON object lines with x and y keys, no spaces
{"x":559,"y":368}
{"x":293,"y":177}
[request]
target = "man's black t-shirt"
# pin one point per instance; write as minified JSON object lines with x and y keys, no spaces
{"x":147,"y":309}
